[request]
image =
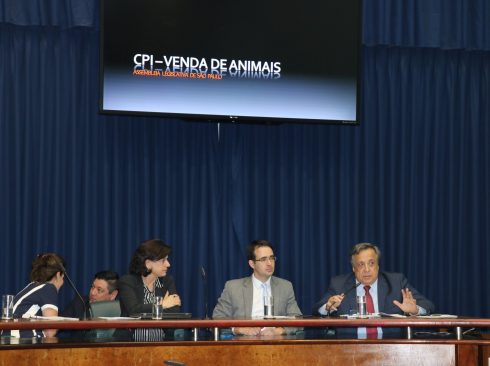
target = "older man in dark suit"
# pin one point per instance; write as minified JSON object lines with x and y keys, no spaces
{"x":385,"y":292}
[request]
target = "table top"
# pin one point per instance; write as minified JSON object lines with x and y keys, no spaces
{"x":412,"y":321}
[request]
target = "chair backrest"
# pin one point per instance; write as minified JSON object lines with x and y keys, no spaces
{"x":105,"y":308}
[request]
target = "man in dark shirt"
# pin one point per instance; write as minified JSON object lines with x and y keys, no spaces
{"x":104,"y":288}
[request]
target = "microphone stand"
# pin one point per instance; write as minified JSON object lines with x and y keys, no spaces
{"x":345,"y":293}
{"x":205,"y":289}
{"x":78,"y":293}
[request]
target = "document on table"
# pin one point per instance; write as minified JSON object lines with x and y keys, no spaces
{"x":437,"y":316}
{"x":431,"y":316}
{"x":55,"y":318}
{"x":357,"y":316}
{"x":117,"y":318}
{"x":277,"y":317}
{"x":392,"y":315}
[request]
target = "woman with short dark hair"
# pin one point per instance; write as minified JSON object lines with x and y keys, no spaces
{"x":147,"y":279}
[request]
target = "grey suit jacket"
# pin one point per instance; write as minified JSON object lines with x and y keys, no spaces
{"x":237,"y":296}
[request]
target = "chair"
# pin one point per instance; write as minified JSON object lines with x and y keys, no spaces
{"x":100,"y":309}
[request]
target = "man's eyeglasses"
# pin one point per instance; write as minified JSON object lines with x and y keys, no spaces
{"x":272,"y":258}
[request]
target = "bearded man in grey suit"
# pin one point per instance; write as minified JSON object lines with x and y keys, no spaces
{"x":244,"y":297}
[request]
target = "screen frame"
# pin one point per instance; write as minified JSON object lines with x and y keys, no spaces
{"x":222,"y":118}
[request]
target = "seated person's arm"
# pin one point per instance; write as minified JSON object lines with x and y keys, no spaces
{"x":333,"y":303}
{"x":171,"y":300}
{"x":413,"y":302}
{"x":250,"y":331}
{"x":409,"y":303}
{"x":292,"y":309}
{"x":50,"y":332}
{"x":224,"y":306}
{"x":329,"y":303}
{"x":129,"y":298}
{"x":224,"y":309}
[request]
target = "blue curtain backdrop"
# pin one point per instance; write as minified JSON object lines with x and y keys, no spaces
{"x":413,"y":178}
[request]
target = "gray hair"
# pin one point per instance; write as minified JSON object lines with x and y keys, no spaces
{"x":363,"y":246}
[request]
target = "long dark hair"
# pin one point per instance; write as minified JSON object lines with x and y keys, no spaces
{"x":153,"y":249}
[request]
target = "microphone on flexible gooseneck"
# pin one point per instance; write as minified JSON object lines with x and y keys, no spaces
{"x":345,"y":293}
{"x":205,"y":289}
{"x":352,"y":288}
{"x":76,"y":291}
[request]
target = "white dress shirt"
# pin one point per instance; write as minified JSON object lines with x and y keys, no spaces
{"x":259,"y":290}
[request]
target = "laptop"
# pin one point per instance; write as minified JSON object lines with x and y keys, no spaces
{"x":165,"y":316}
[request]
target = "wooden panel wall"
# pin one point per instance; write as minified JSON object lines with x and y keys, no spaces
{"x":237,"y":355}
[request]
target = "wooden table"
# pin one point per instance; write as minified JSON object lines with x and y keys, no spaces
{"x":280,"y":350}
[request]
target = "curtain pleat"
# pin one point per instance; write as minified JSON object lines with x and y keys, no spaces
{"x":454,"y":24}
{"x":50,"y":13}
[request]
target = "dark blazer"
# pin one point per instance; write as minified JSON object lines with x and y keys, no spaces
{"x":389,"y":288}
{"x":131,"y":293}
{"x":76,"y":308}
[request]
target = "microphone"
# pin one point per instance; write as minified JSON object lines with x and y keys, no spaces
{"x":345,"y":293}
{"x":205,"y":289}
{"x":76,"y":291}
{"x":352,"y":288}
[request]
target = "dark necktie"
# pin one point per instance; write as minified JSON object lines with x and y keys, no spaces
{"x":372,"y":332}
